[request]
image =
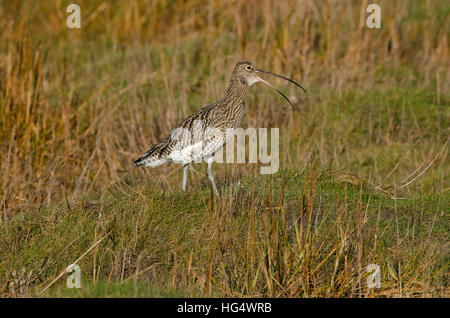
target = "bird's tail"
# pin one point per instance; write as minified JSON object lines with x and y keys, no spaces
{"x":153,"y":157}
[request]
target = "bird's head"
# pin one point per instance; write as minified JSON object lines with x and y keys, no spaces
{"x":246,"y":74}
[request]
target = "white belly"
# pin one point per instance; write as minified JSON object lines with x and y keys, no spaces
{"x":186,"y":152}
{"x":199,"y":150}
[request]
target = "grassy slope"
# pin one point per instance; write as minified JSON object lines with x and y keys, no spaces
{"x":176,"y":245}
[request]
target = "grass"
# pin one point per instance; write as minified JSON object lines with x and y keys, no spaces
{"x":363,"y":156}
{"x":291,"y":234}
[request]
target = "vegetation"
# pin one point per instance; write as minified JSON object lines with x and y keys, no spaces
{"x":364,"y":155}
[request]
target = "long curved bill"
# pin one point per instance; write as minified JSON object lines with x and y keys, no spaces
{"x":280,"y":76}
{"x":270,"y":85}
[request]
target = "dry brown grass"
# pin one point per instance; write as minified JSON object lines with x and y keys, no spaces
{"x":71,"y":95}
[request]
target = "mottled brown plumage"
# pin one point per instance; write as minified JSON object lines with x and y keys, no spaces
{"x":201,"y":134}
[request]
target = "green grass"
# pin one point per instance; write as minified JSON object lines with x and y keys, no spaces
{"x":129,"y":288}
{"x":175,"y":244}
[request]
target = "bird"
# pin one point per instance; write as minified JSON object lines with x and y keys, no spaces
{"x":200,"y":135}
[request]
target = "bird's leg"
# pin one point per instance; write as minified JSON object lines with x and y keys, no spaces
{"x":211,"y":177}
{"x":185,"y":171}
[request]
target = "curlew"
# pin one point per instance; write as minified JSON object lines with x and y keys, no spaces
{"x":201,"y":134}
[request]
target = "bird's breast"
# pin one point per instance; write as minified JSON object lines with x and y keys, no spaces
{"x":231,"y":116}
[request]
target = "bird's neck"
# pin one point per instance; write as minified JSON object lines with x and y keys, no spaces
{"x":236,"y":91}
{"x":233,"y":103}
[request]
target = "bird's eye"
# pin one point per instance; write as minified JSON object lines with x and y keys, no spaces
{"x":248,"y":67}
